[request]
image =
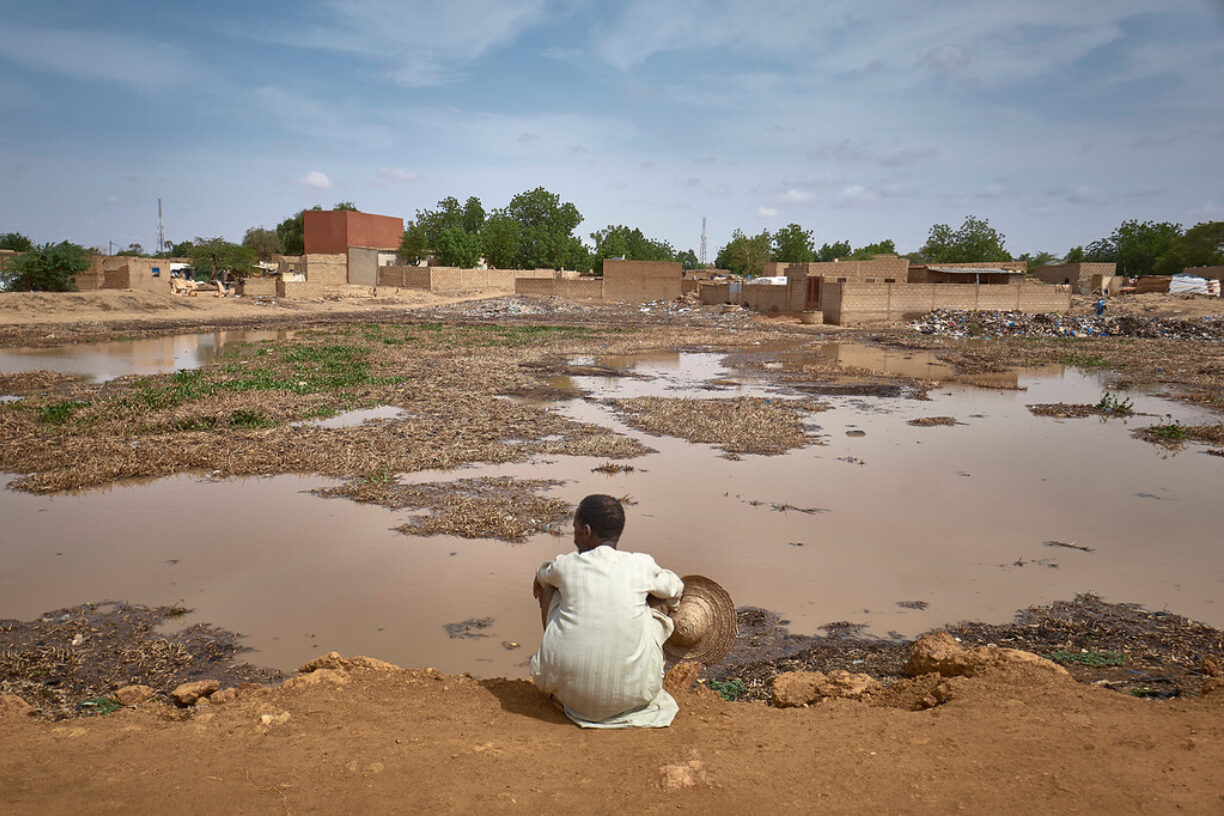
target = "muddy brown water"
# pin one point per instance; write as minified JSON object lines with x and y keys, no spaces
{"x":954,"y":516}
{"x":97,"y":362}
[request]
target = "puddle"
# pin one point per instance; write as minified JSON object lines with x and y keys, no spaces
{"x":350,"y":419}
{"x":98,"y":362}
{"x":955,"y":516}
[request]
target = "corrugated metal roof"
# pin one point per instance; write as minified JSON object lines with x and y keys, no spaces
{"x":985,"y":270}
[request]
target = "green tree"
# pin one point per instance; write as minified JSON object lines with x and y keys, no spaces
{"x":1202,"y":245}
{"x":473,"y":216}
{"x":546,"y":234}
{"x":866,"y":253}
{"x":1074,"y":255}
{"x":132,"y":251}
{"x":16,"y":242}
{"x":448,"y":215}
{"x":1034,"y":260}
{"x":458,"y":248}
{"x":344,"y":206}
{"x":263,"y":242}
{"x":48,"y":268}
{"x":414,"y":246}
{"x":745,"y":255}
{"x":211,"y":256}
{"x":975,"y":240}
{"x":630,"y":244}
{"x":831,"y":252}
{"x":1135,"y":246}
{"x":793,"y":244}
{"x":688,"y":260}
{"x":500,"y":238}
{"x":292,"y":234}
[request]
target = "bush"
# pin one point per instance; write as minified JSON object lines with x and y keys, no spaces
{"x":48,"y":268}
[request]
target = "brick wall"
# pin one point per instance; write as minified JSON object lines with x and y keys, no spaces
{"x":331,"y":232}
{"x":845,"y":304}
{"x":640,"y":281}
{"x":583,"y":289}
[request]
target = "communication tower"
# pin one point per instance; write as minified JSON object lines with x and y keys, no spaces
{"x":161,"y":229}
{"x":702,"y":256}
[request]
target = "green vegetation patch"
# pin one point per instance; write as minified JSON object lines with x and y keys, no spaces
{"x":729,"y":690}
{"x":1084,"y":361}
{"x":57,"y":413}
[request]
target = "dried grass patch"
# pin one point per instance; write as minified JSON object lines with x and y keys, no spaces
{"x":496,"y":507}
{"x":33,"y":382}
{"x":737,"y":425}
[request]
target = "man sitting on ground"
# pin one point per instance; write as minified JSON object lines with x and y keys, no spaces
{"x":601,"y":657}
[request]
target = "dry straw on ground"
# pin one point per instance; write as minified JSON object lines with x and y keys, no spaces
{"x":738,"y":425}
{"x":930,"y":422}
{"x":499,"y":507}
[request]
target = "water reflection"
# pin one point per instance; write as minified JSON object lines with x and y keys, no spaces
{"x":98,"y":362}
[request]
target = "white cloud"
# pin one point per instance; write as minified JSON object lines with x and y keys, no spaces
{"x":112,"y":199}
{"x":947,"y":59}
{"x":992,"y":190}
{"x":397,"y":174}
{"x":904,"y":155}
{"x":316,"y":180}
{"x":766,"y":212}
{"x":797,"y":196}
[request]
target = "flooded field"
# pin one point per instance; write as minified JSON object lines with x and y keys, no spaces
{"x":891,"y":525}
{"x":98,"y":362}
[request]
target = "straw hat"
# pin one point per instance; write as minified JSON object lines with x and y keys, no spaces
{"x":705,"y":622}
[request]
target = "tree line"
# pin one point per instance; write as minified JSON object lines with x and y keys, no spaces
{"x":537,"y":230}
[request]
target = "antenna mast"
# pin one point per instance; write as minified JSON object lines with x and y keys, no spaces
{"x":161,"y":229}
{"x":702,"y":256}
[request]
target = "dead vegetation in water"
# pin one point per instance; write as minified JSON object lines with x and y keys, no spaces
{"x":85,"y":652}
{"x":1173,"y":434}
{"x":238,"y":416}
{"x":737,"y":425}
{"x":34,"y":382}
{"x":496,"y":507}
{"x":930,"y":422}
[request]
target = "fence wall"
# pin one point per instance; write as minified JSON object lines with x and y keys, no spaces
{"x":845,"y":304}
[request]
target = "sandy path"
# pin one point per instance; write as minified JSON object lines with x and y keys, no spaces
{"x":413,"y":742}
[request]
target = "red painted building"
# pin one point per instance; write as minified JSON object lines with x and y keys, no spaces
{"x":334,"y":231}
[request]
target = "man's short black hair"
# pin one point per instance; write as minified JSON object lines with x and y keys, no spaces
{"x":604,"y":514}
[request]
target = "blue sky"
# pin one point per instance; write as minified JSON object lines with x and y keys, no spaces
{"x":858,"y":119}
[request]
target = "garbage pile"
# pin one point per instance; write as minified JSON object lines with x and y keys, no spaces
{"x":950,"y":323}
{"x":512,"y":305}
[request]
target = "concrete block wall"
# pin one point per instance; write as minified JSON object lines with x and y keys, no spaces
{"x":878,"y":269}
{"x":712,"y":294}
{"x":1210,"y":272}
{"x":252,"y":287}
{"x":1010,"y":266}
{"x":328,"y":269}
{"x":1078,"y":275}
{"x":641,"y":281}
{"x":583,"y":289}
{"x":362,"y":268}
{"x":765,"y":298}
{"x":295,"y":289}
{"x":845,"y":304}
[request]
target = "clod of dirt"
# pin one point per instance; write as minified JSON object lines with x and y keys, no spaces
{"x":469,"y":628}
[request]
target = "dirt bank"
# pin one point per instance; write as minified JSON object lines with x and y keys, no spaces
{"x":359,"y":740}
